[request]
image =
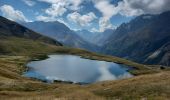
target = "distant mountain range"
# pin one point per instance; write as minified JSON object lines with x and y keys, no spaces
{"x":62,"y":33}
{"x":97,"y":38}
{"x":12,"y":29}
{"x":18,"y":40}
{"x":145,"y":39}
{"x":86,"y":35}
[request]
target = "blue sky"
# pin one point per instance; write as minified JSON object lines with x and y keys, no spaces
{"x":93,"y":15}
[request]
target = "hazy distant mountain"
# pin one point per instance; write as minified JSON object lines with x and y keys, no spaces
{"x":86,"y":35}
{"x":60,"y":32}
{"x":144,"y":39}
{"x":12,"y":29}
{"x":97,"y":38}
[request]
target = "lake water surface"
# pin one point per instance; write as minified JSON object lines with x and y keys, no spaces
{"x":75,"y":69}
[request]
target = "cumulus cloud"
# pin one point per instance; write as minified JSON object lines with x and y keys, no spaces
{"x":29,"y":2}
{"x":105,"y":24}
{"x":75,"y":4}
{"x":124,"y":7}
{"x":108,"y":10}
{"x":12,"y":14}
{"x":82,"y":20}
{"x":56,"y":10}
{"x":69,"y":4}
{"x":132,"y":7}
{"x":138,"y":7}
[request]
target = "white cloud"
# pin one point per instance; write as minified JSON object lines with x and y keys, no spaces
{"x":124,"y":7}
{"x":69,"y":4}
{"x":12,"y":14}
{"x":105,"y":24}
{"x":131,"y":7}
{"x":138,"y":7}
{"x":29,"y":2}
{"x":75,"y":4}
{"x":59,"y":7}
{"x":82,"y":20}
{"x":56,"y":10}
{"x":108,"y":10}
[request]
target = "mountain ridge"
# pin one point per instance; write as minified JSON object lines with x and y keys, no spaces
{"x":18,"y":40}
{"x":141,"y":37}
{"x":10,"y":28}
{"x":97,"y":38}
{"x":62,"y":33}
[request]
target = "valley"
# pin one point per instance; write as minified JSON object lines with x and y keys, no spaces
{"x":139,"y":48}
{"x":61,"y":33}
{"x":14,"y":86}
{"x":137,"y":40}
{"x":149,"y":82}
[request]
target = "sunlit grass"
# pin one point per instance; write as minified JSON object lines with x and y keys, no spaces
{"x":150,"y":82}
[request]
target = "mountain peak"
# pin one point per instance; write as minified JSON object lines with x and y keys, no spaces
{"x":12,"y":29}
{"x":60,"y":32}
{"x":140,"y":38}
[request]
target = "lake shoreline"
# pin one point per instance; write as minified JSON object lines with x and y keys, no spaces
{"x":47,"y":69}
{"x":138,"y":69}
{"x":29,"y":87}
{"x":92,"y":56}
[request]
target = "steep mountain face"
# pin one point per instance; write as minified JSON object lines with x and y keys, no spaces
{"x":97,"y":38}
{"x":162,"y":55}
{"x":61,"y":33}
{"x":102,"y":37}
{"x":18,"y":40}
{"x":145,"y":39}
{"x":12,"y":29}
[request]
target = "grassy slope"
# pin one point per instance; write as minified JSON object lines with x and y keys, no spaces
{"x":154,"y":84}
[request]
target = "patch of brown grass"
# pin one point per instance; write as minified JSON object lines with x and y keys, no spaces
{"x":152,"y":86}
{"x":152,"y":83}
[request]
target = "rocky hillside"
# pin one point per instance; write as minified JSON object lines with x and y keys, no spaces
{"x":16,"y":39}
{"x":12,"y":29}
{"x":145,"y":39}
